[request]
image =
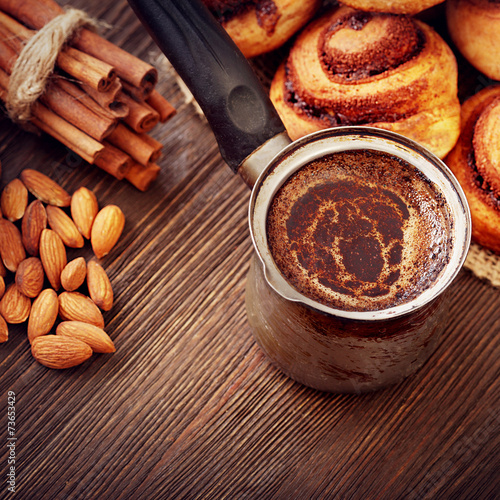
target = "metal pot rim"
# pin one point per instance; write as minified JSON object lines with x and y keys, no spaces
{"x":316,"y":145}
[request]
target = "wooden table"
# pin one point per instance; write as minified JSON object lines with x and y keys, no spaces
{"x":189,"y":407}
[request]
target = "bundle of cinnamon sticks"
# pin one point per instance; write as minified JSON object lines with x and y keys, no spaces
{"x":100,"y":102}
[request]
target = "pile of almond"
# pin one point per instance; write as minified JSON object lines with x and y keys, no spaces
{"x":43,"y":288}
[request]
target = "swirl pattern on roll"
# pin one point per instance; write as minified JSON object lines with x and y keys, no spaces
{"x":259,"y":26}
{"x":475,"y":161}
{"x":358,"y":68}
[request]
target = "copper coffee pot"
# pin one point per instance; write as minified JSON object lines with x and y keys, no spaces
{"x":320,"y":346}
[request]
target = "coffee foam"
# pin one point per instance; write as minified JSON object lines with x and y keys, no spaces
{"x":359,"y":231}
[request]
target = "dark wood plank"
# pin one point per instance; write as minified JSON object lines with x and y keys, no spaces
{"x":189,"y":407}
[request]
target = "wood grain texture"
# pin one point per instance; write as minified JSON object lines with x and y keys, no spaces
{"x":189,"y":407}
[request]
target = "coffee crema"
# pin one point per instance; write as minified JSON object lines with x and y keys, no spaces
{"x":359,"y":230}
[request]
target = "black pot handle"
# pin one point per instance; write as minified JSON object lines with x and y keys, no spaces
{"x":236,"y":105}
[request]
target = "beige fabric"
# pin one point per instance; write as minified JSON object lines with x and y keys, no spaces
{"x":484,"y":264}
{"x":37,"y":60}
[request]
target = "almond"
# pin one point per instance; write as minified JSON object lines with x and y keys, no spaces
{"x":44,"y":188}
{"x":74,"y":306}
{"x":3,"y":271}
{"x":84,"y":208}
{"x":56,"y":351}
{"x":30,"y":277}
{"x":73,"y":275}
{"x":11,"y":245}
{"x":14,"y":200}
{"x":14,"y":306}
{"x":2,"y":286}
{"x":92,"y":335}
{"x":43,"y":314}
{"x":100,"y":290}
{"x":4,"y":330}
{"x":106,"y":230}
{"x":53,"y":256}
{"x":64,"y":227}
{"x":34,"y":222}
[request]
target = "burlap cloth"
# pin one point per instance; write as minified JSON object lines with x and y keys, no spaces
{"x":484,"y":264}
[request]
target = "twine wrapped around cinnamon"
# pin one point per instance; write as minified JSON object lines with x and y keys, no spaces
{"x":37,"y":60}
{"x":359,"y":68}
{"x":113,"y":93}
{"x":84,"y":67}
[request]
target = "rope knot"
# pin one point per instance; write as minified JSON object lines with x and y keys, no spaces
{"x":37,"y":60}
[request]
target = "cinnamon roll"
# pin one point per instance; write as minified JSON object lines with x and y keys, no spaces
{"x":475,"y":161}
{"x":259,"y":26}
{"x":392,"y":6}
{"x":358,"y":68}
{"x":474,"y":27}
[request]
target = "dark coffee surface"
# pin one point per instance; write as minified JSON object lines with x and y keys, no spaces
{"x":359,"y":230}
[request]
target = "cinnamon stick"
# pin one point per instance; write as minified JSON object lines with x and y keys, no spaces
{"x":78,"y":93}
{"x":113,"y":161}
{"x":4,"y":84}
{"x":74,"y":111}
{"x":56,"y":99}
{"x":41,"y":12}
{"x":72,"y":137}
{"x":142,"y":148}
{"x":66,"y":133}
{"x":8,"y":55}
{"x":157,"y":147}
{"x":142,"y":176}
{"x":110,"y":100}
{"x":115,"y":85}
{"x":90,"y":69}
{"x":138,"y":93}
{"x":161,"y":106}
{"x":141,"y":117}
{"x":128,"y":67}
{"x":85,"y":68}
{"x":37,"y":13}
{"x":105,"y":155}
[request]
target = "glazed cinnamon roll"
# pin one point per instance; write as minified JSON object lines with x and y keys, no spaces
{"x":357,"y":68}
{"x":474,"y":27}
{"x":475,"y":161}
{"x":259,"y":26}
{"x":392,"y":6}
